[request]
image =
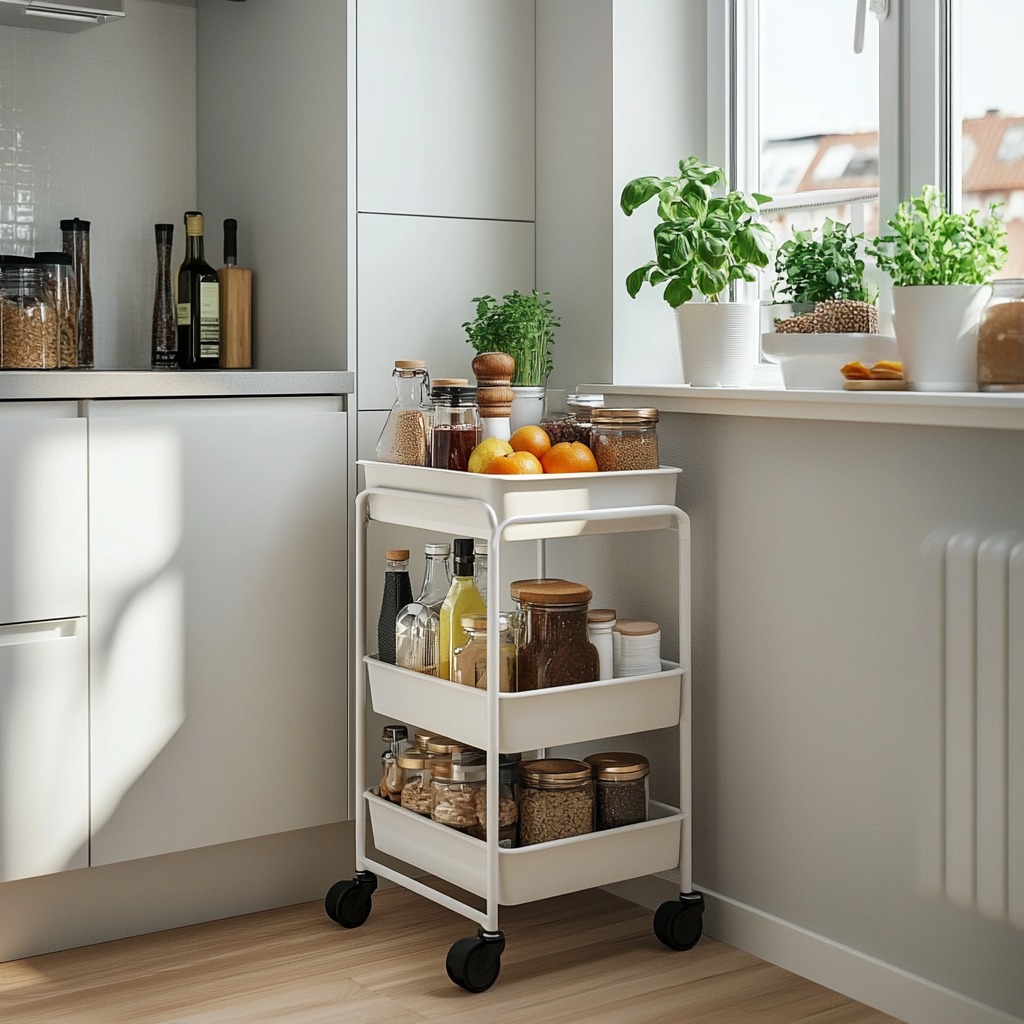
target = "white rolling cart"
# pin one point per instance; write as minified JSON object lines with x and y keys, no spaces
{"x":500,"y":509}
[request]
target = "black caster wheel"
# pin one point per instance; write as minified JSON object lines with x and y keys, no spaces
{"x":473,"y":964}
{"x":349,"y":902}
{"x":680,"y":923}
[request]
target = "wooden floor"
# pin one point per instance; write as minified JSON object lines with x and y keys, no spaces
{"x":586,"y":957}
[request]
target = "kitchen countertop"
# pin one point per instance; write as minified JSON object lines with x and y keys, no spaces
{"x":26,"y":385}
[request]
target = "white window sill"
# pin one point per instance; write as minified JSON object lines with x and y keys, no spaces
{"x":998,"y":410}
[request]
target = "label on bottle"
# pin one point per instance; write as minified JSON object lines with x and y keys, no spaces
{"x":184,"y":313}
{"x":209,"y":319}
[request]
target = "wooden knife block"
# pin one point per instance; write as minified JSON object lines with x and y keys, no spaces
{"x":235,"y":317}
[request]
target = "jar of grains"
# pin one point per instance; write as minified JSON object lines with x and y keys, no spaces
{"x":28,"y":318}
{"x":1001,"y":339}
{"x":621,"y":788}
{"x":508,"y":806}
{"x":417,"y":770}
{"x":556,"y":650}
{"x":457,"y":793}
{"x":404,"y":439}
{"x":624,"y":438}
{"x":556,"y":800}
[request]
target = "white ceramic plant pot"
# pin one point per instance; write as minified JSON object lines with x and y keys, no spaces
{"x":527,"y":407}
{"x":937,"y":334}
{"x":718,"y":341}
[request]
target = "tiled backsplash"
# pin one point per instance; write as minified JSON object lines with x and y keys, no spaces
{"x":101,"y":125}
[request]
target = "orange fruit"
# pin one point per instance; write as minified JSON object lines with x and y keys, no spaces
{"x":532,"y":439}
{"x":517,"y":462}
{"x":569,"y":457}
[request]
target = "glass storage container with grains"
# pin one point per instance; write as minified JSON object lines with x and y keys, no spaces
{"x":508,"y":807}
{"x":555,"y":650}
{"x":470,"y":660}
{"x":556,"y":800}
{"x":59,"y":277}
{"x":621,"y":788}
{"x":624,"y":439}
{"x":391,"y":778}
{"x":28,"y":318}
{"x":1001,"y":339}
{"x":455,"y":428}
{"x":457,"y":793}
{"x":405,"y":437}
{"x":75,"y":242}
{"x":416,"y":767}
{"x":571,"y":422}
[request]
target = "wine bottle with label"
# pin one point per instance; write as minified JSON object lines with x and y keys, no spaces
{"x":198,"y":302}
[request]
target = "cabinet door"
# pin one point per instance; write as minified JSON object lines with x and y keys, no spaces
{"x":44,"y":748}
{"x":218,"y":589}
{"x":43,"y":554}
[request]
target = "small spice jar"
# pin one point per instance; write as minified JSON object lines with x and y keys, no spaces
{"x":600,"y":623}
{"x":556,"y":800}
{"x":28,"y":318}
{"x":621,"y":788}
{"x":508,"y":805}
{"x":624,"y":439}
{"x":391,"y":776}
{"x":457,"y":793}
{"x":470,"y":660}
{"x":417,"y":767}
{"x":555,"y":650}
{"x":455,"y":427}
{"x":1001,"y":339}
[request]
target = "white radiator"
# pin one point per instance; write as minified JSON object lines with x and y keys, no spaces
{"x":978,"y":858}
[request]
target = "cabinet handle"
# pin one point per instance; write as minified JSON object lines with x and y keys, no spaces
{"x":38,"y":632}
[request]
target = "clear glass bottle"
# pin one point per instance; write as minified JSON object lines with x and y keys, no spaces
{"x":556,"y":800}
{"x":404,"y":439}
{"x":391,"y":779}
{"x":455,"y":428}
{"x":623,"y":439}
{"x":470,"y":660}
{"x":418,"y":625}
{"x":397,"y":594}
{"x":437,"y":574}
{"x":462,"y":599}
{"x":28,"y":318}
{"x":556,"y":650}
{"x":164,"y":333}
{"x":1001,"y":338}
{"x":198,"y":302}
{"x":621,"y":780}
{"x":75,"y":242}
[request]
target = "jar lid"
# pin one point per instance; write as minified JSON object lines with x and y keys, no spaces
{"x":471,"y":768}
{"x":587,"y":401}
{"x":552,"y":773}
{"x":515,"y":588}
{"x":394,"y":733}
{"x":636,"y":627}
{"x":54,"y":258}
{"x":9,"y":260}
{"x":439,"y":548}
{"x":437,"y":744}
{"x":397,"y":554}
{"x":454,"y":394}
{"x":410,"y":364}
{"x":450,"y":382}
{"x":413,"y":757}
{"x":76,"y":224}
{"x":601,"y":615}
{"x":478,"y":622}
{"x":618,"y":766}
{"x":628,"y":417}
{"x":556,"y":592}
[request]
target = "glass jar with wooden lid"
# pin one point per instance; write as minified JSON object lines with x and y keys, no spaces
{"x":556,"y":650}
{"x":556,"y":800}
{"x":621,"y":788}
{"x":624,"y":439}
{"x":417,"y":768}
{"x":434,"y":743}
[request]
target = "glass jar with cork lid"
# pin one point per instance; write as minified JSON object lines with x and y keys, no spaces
{"x":624,"y":439}
{"x":404,"y":439}
{"x":556,"y":649}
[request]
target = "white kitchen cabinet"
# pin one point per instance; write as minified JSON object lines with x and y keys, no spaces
{"x":218,"y":576}
{"x":445,"y":109}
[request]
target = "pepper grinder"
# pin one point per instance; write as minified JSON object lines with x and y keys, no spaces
{"x":493,"y":371}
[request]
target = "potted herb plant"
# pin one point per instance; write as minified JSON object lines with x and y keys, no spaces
{"x":941,"y":265}
{"x":703,"y":243}
{"x":522,"y":326}
{"x":824,"y":313}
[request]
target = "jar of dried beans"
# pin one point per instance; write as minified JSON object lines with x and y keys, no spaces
{"x":28,"y":318}
{"x":556,"y":800}
{"x":621,"y":788}
{"x":624,"y":438}
{"x":457,"y":793}
{"x":555,"y":650}
{"x":404,"y":439}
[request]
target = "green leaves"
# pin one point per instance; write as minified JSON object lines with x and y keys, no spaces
{"x":815,"y":270}
{"x":927,"y":244}
{"x":702,"y":241}
{"x":521,"y":325}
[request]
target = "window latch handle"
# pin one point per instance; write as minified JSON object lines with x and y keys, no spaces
{"x":880,"y":8}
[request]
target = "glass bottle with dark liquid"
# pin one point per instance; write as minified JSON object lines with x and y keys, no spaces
{"x":456,"y":428}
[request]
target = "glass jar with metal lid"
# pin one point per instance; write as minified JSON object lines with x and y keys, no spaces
{"x":508,"y":805}
{"x":455,"y":427}
{"x":417,"y":767}
{"x":556,"y":800}
{"x":434,"y":743}
{"x":623,"y":439}
{"x":28,"y":317}
{"x":621,"y":788}
{"x":469,"y":662}
{"x":457,"y":793}
{"x":556,"y":650}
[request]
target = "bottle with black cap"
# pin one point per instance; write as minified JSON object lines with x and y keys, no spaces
{"x":463,"y":599}
{"x":198,"y":302}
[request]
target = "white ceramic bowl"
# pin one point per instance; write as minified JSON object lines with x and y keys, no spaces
{"x":813,"y":361}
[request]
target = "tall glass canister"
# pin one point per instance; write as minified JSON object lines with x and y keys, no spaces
{"x":75,"y":235}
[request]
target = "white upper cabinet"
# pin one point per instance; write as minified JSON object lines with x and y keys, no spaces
{"x":445,"y":108}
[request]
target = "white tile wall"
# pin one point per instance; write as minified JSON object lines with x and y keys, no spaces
{"x":101,"y":125}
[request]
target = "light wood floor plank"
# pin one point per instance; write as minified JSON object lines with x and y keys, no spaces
{"x":585,"y":957}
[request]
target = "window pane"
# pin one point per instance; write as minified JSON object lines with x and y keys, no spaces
{"x":992,"y":103}
{"x":818,"y":109}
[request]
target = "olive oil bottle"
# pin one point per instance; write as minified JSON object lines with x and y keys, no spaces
{"x":198,"y":302}
{"x":463,"y":599}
